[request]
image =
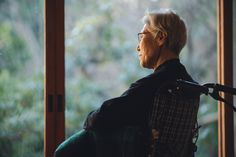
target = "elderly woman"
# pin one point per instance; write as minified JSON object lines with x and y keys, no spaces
{"x":144,"y":105}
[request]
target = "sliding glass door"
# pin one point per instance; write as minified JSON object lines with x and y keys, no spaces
{"x":101,"y":61}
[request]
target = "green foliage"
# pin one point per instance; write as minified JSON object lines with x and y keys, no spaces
{"x":21,"y":90}
{"x":95,"y":40}
{"x":13,"y":53}
{"x":18,"y":113}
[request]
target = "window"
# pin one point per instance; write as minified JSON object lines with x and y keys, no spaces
{"x":21,"y":78}
{"x":101,"y":61}
{"x":100,"y":40}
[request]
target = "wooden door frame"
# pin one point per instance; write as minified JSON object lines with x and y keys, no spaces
{"x":54,"y":93}
{"x":225,"y":76}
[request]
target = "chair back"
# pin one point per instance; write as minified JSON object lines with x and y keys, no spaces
{"x":173,"y":115}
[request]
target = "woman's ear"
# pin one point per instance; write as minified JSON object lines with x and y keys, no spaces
{"x":161,"y":38}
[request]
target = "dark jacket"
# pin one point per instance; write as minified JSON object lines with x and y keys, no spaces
{"x":131,"y":108}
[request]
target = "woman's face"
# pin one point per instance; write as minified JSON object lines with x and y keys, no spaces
{"x":148,"y":49}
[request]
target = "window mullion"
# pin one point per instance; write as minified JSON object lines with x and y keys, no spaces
{"x":225,"y":76}
{"x":54,"y":131}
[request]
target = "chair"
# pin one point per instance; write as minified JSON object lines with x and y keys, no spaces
{"x":170,"y":132}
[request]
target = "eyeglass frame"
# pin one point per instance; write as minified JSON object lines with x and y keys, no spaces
{"x":141,"y":33}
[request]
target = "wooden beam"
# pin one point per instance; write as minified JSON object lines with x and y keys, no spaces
{"x":225,"y":76}
{"x":54,"y":131}
{"x":49,"y":90}
{"x":60,"y":72}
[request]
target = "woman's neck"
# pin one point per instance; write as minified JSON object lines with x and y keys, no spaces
{"x":165,"y":55}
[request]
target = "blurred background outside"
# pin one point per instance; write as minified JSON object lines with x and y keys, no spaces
{"x":21,"y":78}
{"x":101,"y":62}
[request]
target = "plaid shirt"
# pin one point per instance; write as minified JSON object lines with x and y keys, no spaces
{"x":174,"y":117}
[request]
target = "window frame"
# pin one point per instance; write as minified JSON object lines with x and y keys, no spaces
{"x":54,"y":93}
{"x":225,"y":76}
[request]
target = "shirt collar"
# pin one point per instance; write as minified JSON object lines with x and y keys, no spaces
{"x":167,"y":63}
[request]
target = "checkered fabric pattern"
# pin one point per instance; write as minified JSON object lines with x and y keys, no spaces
{"x":174,"y":117}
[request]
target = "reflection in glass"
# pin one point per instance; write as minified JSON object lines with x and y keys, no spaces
{"x":21,"y":78}
{"x":101,"y":61}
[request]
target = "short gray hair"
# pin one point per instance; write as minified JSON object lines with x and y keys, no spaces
{"x":168,"y":22}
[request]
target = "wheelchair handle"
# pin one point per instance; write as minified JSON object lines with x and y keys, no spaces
{"x":205,"y":89}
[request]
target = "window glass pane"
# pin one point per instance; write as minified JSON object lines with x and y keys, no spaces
{"x":101,"y":61}
{"x":21,"y":78}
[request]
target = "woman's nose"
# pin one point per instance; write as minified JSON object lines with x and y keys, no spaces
{"x":138,"y":48}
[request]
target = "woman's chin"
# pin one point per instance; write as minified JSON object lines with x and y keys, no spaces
{"x":142,"y":64}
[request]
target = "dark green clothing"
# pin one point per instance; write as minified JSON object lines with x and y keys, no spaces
{"x":80,"y":144}
{"x":120,"y":143}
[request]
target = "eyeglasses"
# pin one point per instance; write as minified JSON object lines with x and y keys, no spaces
{"x":140,"y":35}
